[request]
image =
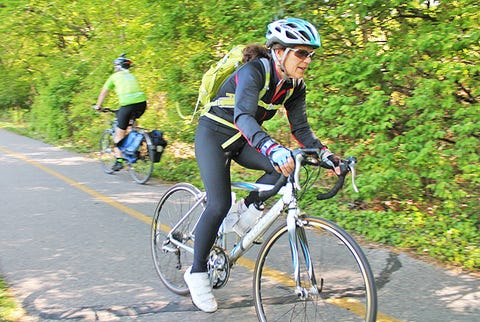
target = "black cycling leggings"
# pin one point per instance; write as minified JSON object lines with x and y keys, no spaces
{"x":214,"y":163}
{"x":129,"y":112}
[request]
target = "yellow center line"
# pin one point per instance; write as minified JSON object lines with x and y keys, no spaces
{"x":280,"y":277}
{"x":136,"y":214}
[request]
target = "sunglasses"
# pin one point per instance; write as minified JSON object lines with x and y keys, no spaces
{"x":302,"y":53}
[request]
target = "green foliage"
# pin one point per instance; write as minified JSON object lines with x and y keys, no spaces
{"x":10,"y":310}
{"x":18,"y":93}
{"x":50,"y":112}
{"x":445,"y":231}
{"x":395,"y":83}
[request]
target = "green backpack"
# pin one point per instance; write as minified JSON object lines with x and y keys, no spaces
{"x":218,"y":73}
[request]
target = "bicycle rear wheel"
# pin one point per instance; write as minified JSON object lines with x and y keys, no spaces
{"x":348,"y":292}
{"x":107,"y":153}
{"x":142,"y":168}
{"x":169,"y":259}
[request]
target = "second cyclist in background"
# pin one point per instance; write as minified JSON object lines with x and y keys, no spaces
{"x":132,"y":100}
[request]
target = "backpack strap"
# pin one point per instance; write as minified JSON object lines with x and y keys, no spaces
{"x":266,"y":66}
{"x":228,"y":101}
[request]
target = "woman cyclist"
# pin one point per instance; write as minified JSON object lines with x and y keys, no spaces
{"x":131,"y":98}
{"x":234,"y":133}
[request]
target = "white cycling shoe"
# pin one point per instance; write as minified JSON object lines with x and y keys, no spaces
{"x":200,"y":290}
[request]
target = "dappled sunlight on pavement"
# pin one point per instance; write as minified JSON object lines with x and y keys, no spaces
{"x":136,"y":197}
{"x":460,"y":298}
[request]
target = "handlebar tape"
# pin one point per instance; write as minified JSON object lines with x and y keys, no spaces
{"x":264,"y":195}
{"x":338,"y":185}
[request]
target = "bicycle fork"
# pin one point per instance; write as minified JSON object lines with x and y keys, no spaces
{"x":297,"y":236}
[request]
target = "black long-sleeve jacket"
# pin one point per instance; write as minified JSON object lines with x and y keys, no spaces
{"x":246,"y":83}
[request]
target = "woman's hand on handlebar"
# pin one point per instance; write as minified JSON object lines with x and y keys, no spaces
{"x":316,"y":157}
{"x":330,"y":160}
{"x":282,"y":160}
{"x":280,"y":157}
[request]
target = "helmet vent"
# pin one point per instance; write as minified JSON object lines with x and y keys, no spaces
{"x":304,"y":34}
{"x":290,"y":35}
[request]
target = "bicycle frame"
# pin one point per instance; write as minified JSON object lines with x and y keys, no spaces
{"x":295,"y":228}
{"x":264,"y":222}
{"x":294,"y":225}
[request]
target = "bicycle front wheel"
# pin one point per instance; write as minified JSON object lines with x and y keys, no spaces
{"x":142,"y":168}
{"x":174,"y":222}
{"x":345,"y":284}
{"x":107,"y":153}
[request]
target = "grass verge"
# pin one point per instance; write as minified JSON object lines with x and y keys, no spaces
{"x":10,"y":309}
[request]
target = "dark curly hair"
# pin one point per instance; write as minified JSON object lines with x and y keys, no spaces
{"x":253,"y":51}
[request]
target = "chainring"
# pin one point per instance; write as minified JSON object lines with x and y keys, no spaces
{"x":218,"y":267}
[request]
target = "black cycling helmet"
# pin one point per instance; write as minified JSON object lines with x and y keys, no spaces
{"x":122,"y":62}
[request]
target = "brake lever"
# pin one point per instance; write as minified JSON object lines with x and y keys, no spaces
{"x":351,"y":162}
{"x":296,"y":173}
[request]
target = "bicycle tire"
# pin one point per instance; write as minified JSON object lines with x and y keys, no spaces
{"x":342,"y":272}
{"x":172,"y":261}
{"x":141,"y":170}
{"x":107,"y":154}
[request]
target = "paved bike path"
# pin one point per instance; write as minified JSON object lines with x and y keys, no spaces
{"x":74,"y":242}
{"x":74,"y":245}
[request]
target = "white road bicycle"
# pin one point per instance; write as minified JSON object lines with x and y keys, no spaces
{"x":328,"y":279}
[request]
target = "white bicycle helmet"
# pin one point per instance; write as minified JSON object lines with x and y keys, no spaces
{"x":291,"y":32}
